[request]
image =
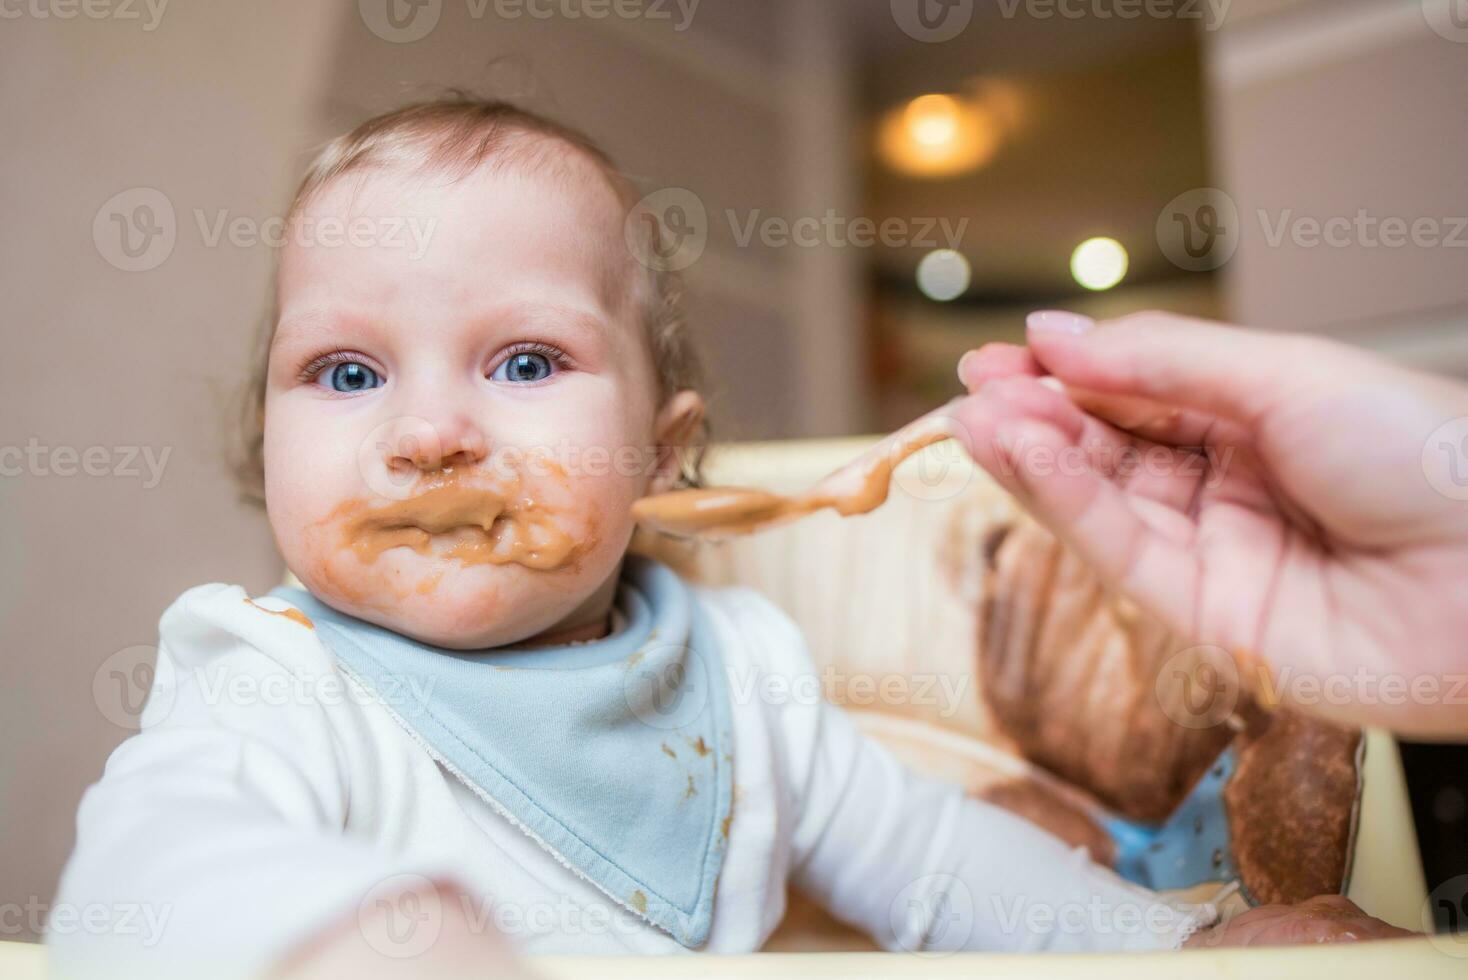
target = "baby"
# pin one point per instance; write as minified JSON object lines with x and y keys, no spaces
{"x":482,"y":717}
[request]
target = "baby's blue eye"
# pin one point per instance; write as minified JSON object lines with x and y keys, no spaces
{"x":350,"y":376}
{"x":524,"y":367}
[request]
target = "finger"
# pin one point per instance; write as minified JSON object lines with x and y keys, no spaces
{"x":1217,"y":369}
{"x":1148,"y":471}
{"x":1170,"y":425}
{"x":1152,"y":421}
{"x":1203,"y":442}
{"x":1018,"y":446}
{"x":996,"y":360}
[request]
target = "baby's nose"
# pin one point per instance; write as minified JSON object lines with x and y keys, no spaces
{"x":426,"y":445}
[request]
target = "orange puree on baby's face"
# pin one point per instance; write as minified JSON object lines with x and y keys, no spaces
{"x":454,"y":518}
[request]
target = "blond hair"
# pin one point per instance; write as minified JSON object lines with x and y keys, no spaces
{"x":460,"y":133}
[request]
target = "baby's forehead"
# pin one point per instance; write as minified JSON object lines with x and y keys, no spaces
{"x":607,"y":198}
{"x":603,"y":199}
{"x":589,"y":197}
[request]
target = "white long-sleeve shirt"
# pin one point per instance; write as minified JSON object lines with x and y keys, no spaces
{"x":268,"y":797}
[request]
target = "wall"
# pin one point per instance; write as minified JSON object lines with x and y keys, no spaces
{"x":1327,"y":109}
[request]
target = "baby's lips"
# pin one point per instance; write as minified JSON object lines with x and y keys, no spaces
{"x":466,"y":518}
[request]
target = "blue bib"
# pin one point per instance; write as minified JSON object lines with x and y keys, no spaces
{"x":614,"y":754}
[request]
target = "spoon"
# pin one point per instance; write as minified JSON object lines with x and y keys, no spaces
{"x":857,"y":488}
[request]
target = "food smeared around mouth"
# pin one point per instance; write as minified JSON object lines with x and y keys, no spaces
{"x":455,"y":519}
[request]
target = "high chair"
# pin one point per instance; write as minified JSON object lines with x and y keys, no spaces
{"x":900,"y":593}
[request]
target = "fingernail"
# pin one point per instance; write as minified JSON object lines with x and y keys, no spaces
{"x":961,"y":362}
{"x":1058,"y":321}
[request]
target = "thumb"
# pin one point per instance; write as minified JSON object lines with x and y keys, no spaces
{"x":1227,"y":371}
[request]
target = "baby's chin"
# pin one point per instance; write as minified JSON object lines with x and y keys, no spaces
{"x":450,"y":604}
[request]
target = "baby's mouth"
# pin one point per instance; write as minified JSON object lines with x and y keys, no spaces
{"x":460,"y":521}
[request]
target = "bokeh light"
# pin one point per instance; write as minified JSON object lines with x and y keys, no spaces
{"x":937,"y":135}
{"x":943,"y":275}
{"x":1099,"y":263}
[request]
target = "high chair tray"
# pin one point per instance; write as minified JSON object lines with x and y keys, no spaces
{"x":1415,"y":958}
{"x":1419,"y":959}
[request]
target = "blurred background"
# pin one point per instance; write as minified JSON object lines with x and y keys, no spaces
{"x":875,"y":187}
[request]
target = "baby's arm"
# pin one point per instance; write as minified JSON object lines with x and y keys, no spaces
{"x":919,"y":865}
{"x":217,"y":831}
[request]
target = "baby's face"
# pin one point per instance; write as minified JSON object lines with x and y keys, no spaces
{"x":453,"y":439}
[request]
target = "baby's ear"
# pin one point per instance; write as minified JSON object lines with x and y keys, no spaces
{"x":676,"y":427}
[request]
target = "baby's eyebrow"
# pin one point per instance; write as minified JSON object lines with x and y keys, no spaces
{"x":576,"y":318}
{"x":314,"y":320}
{"x":570,"y":324}
{"x":581,"y":328}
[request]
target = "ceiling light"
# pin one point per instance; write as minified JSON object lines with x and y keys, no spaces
{"x":937,"y":135}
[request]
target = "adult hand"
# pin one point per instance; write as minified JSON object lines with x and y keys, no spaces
{"x":1294,"y":501}
{"x":1326,"y":919}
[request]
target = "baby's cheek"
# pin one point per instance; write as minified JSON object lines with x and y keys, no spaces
{"x":596,"y":516}
{"x":591,"y":490}
{"x":333,"y":570}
